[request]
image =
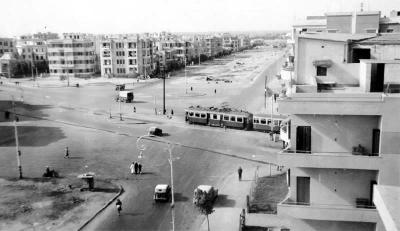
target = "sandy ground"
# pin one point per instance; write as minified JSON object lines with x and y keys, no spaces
{"x":49,"y":204}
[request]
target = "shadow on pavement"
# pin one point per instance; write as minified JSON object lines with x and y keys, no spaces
{"x":131,"y":214}
{"x":30,"y":135}
{"x":223,"y":201}
{"x":21,"y":108}
{"x":180,"y":198}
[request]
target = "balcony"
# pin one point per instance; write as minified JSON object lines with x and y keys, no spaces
{"x":328,"y":212}
{"x":329,"y":160}
{"x":306,"y":100}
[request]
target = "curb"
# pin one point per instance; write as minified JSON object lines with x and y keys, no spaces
{"x":121,"y":190}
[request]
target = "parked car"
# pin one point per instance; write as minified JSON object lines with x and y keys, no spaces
{"x":204,"y":193}
{"x":155,"y":131}
{"x":162,"y":192}
{"x":120,"y":87}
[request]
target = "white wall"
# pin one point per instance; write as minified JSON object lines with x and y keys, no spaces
{"x":340,"y":72}
{"x":330,"y":133}
{"x":334,"y":186}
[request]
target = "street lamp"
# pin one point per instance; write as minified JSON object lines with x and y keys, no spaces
{"x":185,"y":75}
{"x":141,"y":148}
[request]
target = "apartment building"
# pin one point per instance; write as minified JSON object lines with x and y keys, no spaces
{"x":341,"y":138}
{"x":71,"y":56}
{"x":244,"y":42}
{"x":7,"y":45}
{"x":32,"y":49}
{"x":128,"y":57}
{"x":213,"y":46}
{"x":390,"y":24}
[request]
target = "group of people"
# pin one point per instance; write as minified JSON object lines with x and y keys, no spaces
{"x":136,"y":167}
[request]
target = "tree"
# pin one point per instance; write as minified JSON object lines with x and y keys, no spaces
{"x":204,"y":205}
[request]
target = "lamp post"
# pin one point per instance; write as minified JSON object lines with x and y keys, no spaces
{"x":141,"y":148}
{"x":185,"y":75}
{"x":162,"y":69}
{"x":18,"y":152}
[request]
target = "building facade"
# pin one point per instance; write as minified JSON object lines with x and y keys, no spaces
{"x":341,"y":131}
{"x":71,"y":57}
{"x":7,"y":45}
{"x":130,"y":57}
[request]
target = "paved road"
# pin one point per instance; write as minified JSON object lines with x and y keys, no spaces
{"x":78,"y":118}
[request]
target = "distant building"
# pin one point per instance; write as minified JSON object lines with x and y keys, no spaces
{"x":32,"y":49}
{"x":213,"y":46}
{"x":71,"y":57}
{"x":390,"y":24}
{"x":7,"y":45}
{"x":129,"y":56}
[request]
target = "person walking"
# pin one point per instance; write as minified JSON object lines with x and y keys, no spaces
{"x":140,"y":168}
{"x":132,"y":167}
{"x":240,"y":171}
{"x":134,"y":109}
{"x":119,"y":206}
{"x":135,"y":166}
{"x":66,"y":152}
{"x":172,"y":112}
{"x":215,"y":91}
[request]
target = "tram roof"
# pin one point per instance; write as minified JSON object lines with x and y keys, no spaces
{"x":219,"y":110}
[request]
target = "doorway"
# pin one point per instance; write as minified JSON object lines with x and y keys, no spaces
{"x":376,"y":134}
{"x":377,"y":77}
{"x":303,"y":190}
{"x":303,"y":139}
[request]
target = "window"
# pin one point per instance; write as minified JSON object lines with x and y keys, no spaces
{"x":269,"y":122}
{"x":263,"y":121}
{"x":360,"y":53}
{"x":226,"y":117}
{"x":233,"y":118}
{"x":197,"y":114}
{"x":215,"y":116}
{"x":321,"y":71}
{"x":203,"y":115}
{"x":389,"y":31}
{"x":256,"y":120}
{"x":239,"y":119}
{"x":191,"y":113}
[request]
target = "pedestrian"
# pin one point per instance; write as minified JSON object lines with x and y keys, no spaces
{"x":240,"y":171}
{"x":119,"y":206}
{"x":136,"y":167}
{"x":172,"y":112}
{"x":132,"y":167}
{"x":66,"y":152}
{"x":215,"y":91}
{"x":134,"y":109}
{"x":140,"y":168}
{"x":191,"y":88}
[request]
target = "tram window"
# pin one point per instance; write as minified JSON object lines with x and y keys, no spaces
{"x":269,"y":122}
{"x":215,"y":116}
{"x":197,"y":114}
{"x":191,"y":113}
{"x":239,"y":119}
{"x":233,"y":118}
{"x":203,"y":115}
{"x":256,"y":121}
{"x":226,"y":117}
{"x":276,"y":122}
{"x":263,"y":121}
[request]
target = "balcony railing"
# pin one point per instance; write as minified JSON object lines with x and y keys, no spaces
{"x":328,"y":212}
{"x":345,"y":160}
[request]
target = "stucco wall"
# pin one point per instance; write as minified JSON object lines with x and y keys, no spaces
{"x":334,"y":186}
{"x":341,"y":23}
{"x":331,"y":133}
{"x":315,"y":225}
{"x":340,"y":72}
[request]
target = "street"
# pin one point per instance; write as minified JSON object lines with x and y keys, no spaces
{"x":54,"y":118}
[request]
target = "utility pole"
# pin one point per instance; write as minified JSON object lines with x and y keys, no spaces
{"x":164,"y":91}
{"x":185,"y":76}
{"x":265,"y":91}
{"x":172,"y":187}
{"x":18,"y":152}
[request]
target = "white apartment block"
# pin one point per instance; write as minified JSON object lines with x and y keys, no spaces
{"x":32,"y":49}
{"x":342,"y":136}
{"x":128,"y":57}
{"x":71,"y":57}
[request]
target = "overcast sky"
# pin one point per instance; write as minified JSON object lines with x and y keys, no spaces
{"x":130,"y":16}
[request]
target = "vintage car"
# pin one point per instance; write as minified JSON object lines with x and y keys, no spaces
{"x":162,"y":192}
{"x":125,"y":96}
{"x":120,"y":87}
{"x":204,"y":193}
{"x":155,"y":131}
